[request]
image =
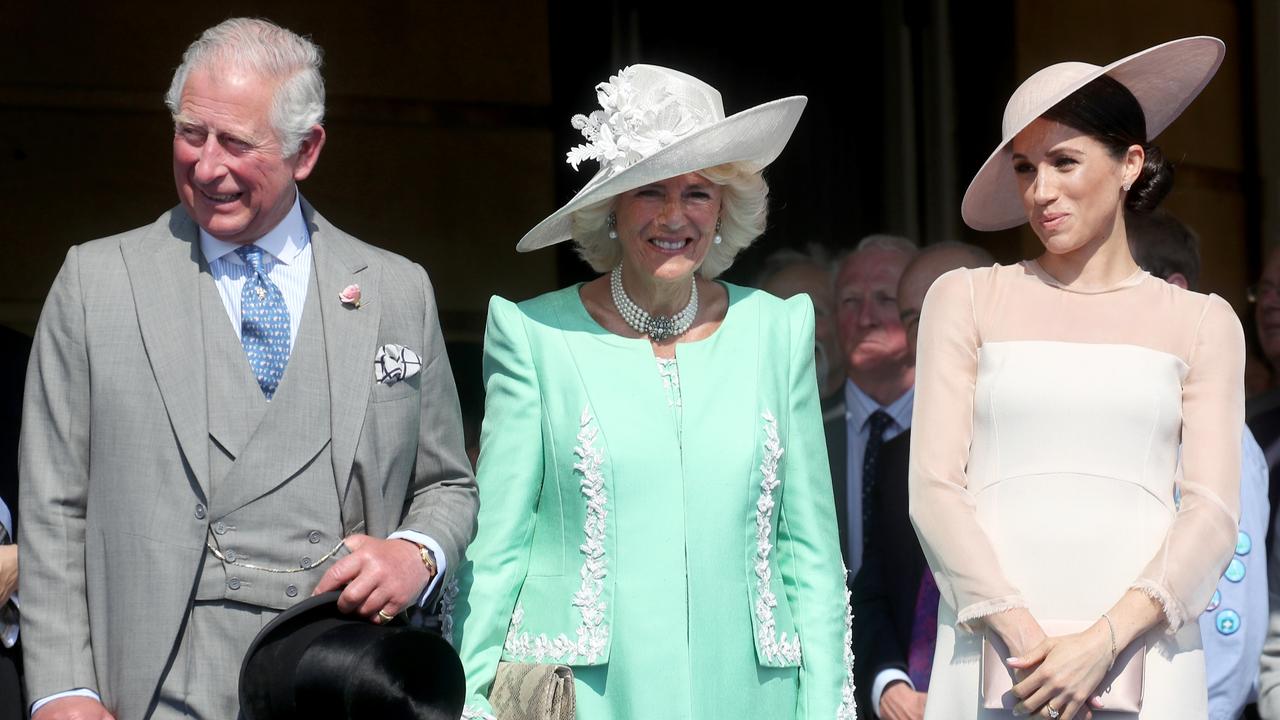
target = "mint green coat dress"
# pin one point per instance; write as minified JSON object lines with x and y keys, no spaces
{"x":676,"y":546}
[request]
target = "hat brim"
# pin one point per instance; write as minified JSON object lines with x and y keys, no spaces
{"x":273,"y":665}
{"x":754,"y":137}
{"x":1164,"y":79}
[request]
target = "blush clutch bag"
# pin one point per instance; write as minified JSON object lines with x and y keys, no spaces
{"x":1120,"y":691}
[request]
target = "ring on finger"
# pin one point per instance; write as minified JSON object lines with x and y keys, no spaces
{"x":1053,"y":712}
{"x":382,"y":614}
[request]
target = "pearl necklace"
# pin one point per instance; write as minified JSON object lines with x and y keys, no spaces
{"x":657,"y":327}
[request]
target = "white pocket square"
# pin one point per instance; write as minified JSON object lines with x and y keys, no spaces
{"x":395,"y":363}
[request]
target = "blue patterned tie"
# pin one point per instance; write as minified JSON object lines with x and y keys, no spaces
{"x":264,"y":323}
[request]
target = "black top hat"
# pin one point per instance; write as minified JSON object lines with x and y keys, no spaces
{"x":316,"y":662}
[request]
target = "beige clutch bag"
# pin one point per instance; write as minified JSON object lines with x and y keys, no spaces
{"x":523,"y":691}
{"x":1121,"y":688}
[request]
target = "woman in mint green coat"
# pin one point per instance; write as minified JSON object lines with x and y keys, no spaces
{"x":655,"y":503}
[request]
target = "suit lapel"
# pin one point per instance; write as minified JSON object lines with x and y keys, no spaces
{"x":164,"y":267}
{"x":350,"y":335}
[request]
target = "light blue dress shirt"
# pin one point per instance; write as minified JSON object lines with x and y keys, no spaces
{"x":858,"y":409}
{"x":1234,"y":626}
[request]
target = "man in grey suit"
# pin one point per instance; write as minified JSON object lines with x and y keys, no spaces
{"x":228,"y":410}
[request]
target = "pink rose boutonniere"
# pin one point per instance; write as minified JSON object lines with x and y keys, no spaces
{"x":350,"y":296}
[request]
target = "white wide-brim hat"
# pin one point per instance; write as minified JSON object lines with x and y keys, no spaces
{"x":1164,"y":79}
{"x":656,"y":123}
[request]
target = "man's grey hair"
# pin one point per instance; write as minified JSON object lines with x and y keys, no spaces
{"x":878,"y":241}
{"x":786,"y":258}
{"x":1163,"y":245}
{"x":881,"y":241}
{"x":269,"y":51}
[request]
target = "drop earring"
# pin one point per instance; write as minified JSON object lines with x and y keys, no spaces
{"x":1126,"y":186}
{"x":717,"y":239}
{"x":613,"y":222}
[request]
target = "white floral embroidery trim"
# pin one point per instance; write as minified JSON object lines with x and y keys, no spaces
{"x":847,"y":709}
{"x":775,"y":648}
{"x":448,"y":598}
{"x":670,"y":374}
{"x":592,"y":633}
{"x":472,"y":713}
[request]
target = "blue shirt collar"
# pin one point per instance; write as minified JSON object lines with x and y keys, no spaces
{"x":859,"y":406}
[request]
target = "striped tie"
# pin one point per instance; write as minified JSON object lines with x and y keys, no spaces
{"x":264,"y":323}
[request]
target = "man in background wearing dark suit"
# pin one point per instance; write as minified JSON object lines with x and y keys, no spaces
{"x":895,"y":602}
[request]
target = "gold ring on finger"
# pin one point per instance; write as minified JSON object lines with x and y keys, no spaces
{"x":388,"y":618}
{"x":1053,"y":712}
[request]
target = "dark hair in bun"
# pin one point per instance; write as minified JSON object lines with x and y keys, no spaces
{"x":1106,"y":111}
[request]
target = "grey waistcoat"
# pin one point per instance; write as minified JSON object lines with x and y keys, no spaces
{"x":273,"y":497}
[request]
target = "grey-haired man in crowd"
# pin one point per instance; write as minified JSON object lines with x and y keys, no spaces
{"x":227,"y":410}
{"x":880,"y":377}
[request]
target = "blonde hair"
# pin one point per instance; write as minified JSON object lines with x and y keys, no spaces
{"x":744,"y":208}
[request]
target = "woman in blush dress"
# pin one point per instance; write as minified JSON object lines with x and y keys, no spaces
{"x":1051,"y":400}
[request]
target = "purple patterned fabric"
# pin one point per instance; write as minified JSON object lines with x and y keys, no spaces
{"x":924,"y":633}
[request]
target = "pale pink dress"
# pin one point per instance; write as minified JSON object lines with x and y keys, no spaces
{"x":1044,"y":454}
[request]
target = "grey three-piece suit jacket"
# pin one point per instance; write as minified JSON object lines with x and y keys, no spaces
{"x":145,"y":440}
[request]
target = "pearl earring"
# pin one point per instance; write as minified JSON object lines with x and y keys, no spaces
{"x":613,"y":221}
{"x":717,"y":239}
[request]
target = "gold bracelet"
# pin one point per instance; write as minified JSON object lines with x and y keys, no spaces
{"x":1112,"y":629}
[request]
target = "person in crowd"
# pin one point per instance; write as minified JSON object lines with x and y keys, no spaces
{"x":11,"y":692}
{"x":1060,"y":400}
{"x":655,"y":507}
{"x":878,"y":384}
{"x":1234,"y":624}
{"x":1265,"y":296}
{"x":788,"y":273}
{"x":1264,"y":411}
{"x":13,"y":368}
{"x":226,"y":410}
{"x":895,"y":601}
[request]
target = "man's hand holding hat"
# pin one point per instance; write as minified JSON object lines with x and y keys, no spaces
{"x":379,"y":575}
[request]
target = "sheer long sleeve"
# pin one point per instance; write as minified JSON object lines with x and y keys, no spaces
{"x":942,"y":508}
{"x":1184,"y":572}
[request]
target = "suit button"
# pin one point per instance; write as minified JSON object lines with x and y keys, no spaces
{"x":230,"y":555}
{"x":291,"y":591}
{"x":234,"y":583}
{"x":305,"y":563}
{"x":200,"y":511}
{"x":220,"y":528}
{"x":313,"y":537}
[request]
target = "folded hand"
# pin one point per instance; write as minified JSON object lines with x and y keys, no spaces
{"x":379,"y":575}
{"x":1058,"y":678}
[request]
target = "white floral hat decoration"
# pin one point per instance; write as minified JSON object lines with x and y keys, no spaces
{"x":656,"y":123}
{"x":1164,"y":79}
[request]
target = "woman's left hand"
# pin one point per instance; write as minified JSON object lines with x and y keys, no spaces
{"x":1060,"y":675}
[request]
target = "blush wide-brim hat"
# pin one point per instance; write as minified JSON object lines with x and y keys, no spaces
{"x":1164,"y":79}
{"x":656,"y":123}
